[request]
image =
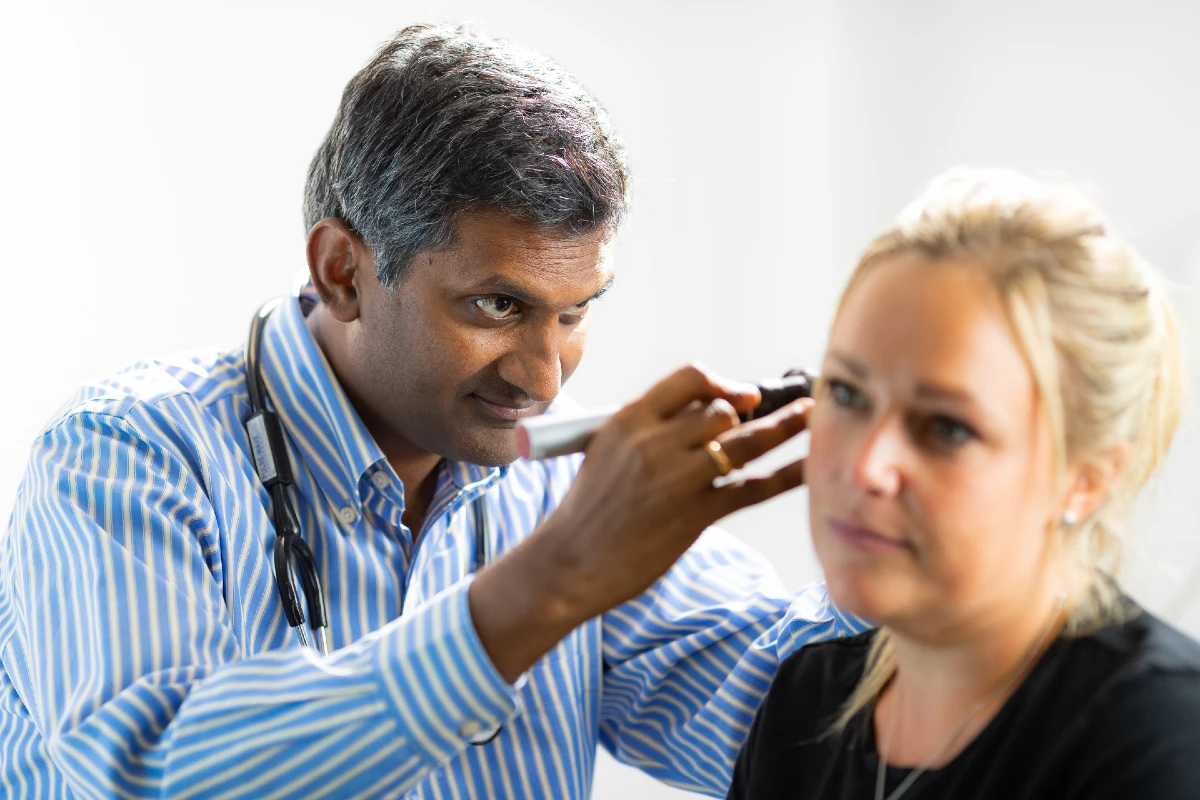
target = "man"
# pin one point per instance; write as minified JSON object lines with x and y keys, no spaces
{"x":458,"y":214}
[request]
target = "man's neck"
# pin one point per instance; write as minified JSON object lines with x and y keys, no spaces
{"x":941,"y":687}
{"x":416,"y":468}
{"x":420,"y":485}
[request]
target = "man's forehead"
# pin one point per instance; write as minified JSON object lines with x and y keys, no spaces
{"x":491,"y":248}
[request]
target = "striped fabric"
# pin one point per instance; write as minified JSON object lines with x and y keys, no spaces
{"x":145,"y":652}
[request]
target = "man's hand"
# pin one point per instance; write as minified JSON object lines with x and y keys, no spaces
{"x":643,"y":495}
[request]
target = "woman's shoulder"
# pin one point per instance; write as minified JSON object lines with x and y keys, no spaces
{"x":1141,"y":655}
{"x":1142,"y":731}
{"x":1140,"y":667}
{"x":1154,"y":670}
{"x":820,"y":675}
{"x":842,"y":653}
{"x":1148,"y":646}
{"x":804,"y":700}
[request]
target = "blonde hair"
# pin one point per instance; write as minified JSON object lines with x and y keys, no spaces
{"x":1095,"y":327}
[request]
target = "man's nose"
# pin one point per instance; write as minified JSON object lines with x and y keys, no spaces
{"x":877,"y":467}
{"x":535,"y":363}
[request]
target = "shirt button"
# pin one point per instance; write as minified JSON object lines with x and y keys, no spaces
{"x":381,"y":480}
{"x":347,"y":515}
{"x":470,"y":729}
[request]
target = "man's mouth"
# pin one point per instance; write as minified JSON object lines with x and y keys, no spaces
{"x":510,"y":412}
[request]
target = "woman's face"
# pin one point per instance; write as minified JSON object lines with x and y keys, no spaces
{"x":930,"y":467}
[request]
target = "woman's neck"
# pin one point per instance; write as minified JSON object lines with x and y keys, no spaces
{"x":945,"y":691}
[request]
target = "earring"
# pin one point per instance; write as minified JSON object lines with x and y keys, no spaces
{"x":1069,"y":518}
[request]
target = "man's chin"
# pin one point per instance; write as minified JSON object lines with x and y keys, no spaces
{"x":493,"y":449}
{"x":492,"y":460}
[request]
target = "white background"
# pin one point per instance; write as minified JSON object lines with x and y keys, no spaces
{"x":153,"y":157}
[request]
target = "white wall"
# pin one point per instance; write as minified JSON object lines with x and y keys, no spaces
{"x":1103,"y":93}
{"x":153,"y":157}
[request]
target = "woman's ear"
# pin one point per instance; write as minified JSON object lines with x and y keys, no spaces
{"x":1091,"y":479}
{"x":338,"y":260}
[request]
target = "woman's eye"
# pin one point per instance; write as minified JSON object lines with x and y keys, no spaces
{"x":845,"y":395}
{"x":949,"y":431}
{"x":497,"y":307}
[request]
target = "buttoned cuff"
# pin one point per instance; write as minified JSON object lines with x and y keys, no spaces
{"x":439,"y":679}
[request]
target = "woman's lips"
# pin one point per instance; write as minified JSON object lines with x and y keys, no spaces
{"x":863,"y":539}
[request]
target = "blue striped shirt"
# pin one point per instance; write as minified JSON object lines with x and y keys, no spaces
{"x":145,"y":653}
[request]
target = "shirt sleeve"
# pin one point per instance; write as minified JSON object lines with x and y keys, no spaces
{"x":123,"y":647}
{"x":689,"y":661}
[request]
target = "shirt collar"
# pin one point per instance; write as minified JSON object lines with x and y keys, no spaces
{"x":323,"y":425}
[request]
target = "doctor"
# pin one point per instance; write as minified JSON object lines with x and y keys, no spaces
{"x":375,"y":598}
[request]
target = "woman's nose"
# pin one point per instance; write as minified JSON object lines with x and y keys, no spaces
{"x":876,"y":468}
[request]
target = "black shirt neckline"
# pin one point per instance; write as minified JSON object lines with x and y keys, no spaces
{"x":1109,"y":714}
{"x":868,"y":747}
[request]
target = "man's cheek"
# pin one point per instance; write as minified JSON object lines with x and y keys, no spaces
{"x":572,"y":350}
{"x":569,"y":364}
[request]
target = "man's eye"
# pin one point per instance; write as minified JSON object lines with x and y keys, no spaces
{"x":497,"y":307}
{"x":580,"y":309}
{"x":845,"y":395}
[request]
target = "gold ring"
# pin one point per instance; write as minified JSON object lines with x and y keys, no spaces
{"x":717,"y":454}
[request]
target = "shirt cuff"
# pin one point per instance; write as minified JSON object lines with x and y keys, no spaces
{"x":439,"y":679}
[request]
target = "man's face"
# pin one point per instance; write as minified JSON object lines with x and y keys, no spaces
{"x":474,"y":337}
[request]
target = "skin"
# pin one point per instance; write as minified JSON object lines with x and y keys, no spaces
{"x":490,"y":328}
{"x":474,"y":336}
{"x":934,"y":502}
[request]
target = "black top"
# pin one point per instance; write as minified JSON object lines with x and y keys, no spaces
{"x":1113,"y":714}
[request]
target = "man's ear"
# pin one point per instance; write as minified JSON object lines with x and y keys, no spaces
{"x":1091,"y":480}
{"x":338,"y":263}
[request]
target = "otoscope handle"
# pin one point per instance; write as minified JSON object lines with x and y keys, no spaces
{"x":560,"y":434}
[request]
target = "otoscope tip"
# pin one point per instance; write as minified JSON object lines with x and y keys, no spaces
{"x":523,"y":442}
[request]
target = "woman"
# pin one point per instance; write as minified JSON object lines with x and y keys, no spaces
{"x":1002,"y":377}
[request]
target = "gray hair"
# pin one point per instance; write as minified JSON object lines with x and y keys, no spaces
{"x":442,"y":121}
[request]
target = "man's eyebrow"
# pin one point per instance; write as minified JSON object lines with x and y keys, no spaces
{"x":498,"y":284}
{"x":607,"y":285}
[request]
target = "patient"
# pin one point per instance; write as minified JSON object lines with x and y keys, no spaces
{"x":1002,"y":377}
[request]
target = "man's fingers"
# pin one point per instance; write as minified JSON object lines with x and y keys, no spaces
{"x":747,"y":442}
{"x":672,"y":394}
{"x":740,"y":494}
{"x":742,"y":444}
{"x":701,"y":424}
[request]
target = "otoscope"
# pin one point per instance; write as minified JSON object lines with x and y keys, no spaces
{"x":560,"y":434}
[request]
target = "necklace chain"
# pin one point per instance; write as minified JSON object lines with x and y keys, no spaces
{"x":912,"y":776}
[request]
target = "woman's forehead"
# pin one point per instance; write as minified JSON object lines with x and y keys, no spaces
{"x":912,"y":321}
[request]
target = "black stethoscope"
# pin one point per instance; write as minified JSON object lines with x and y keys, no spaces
{"x":275,"y":471}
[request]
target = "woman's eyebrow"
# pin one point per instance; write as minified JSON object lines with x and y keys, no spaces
{"x":856,"y":368}
{"x":926,"y":390}
{"x":981,"y":408}
{"x":936,"y":391}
